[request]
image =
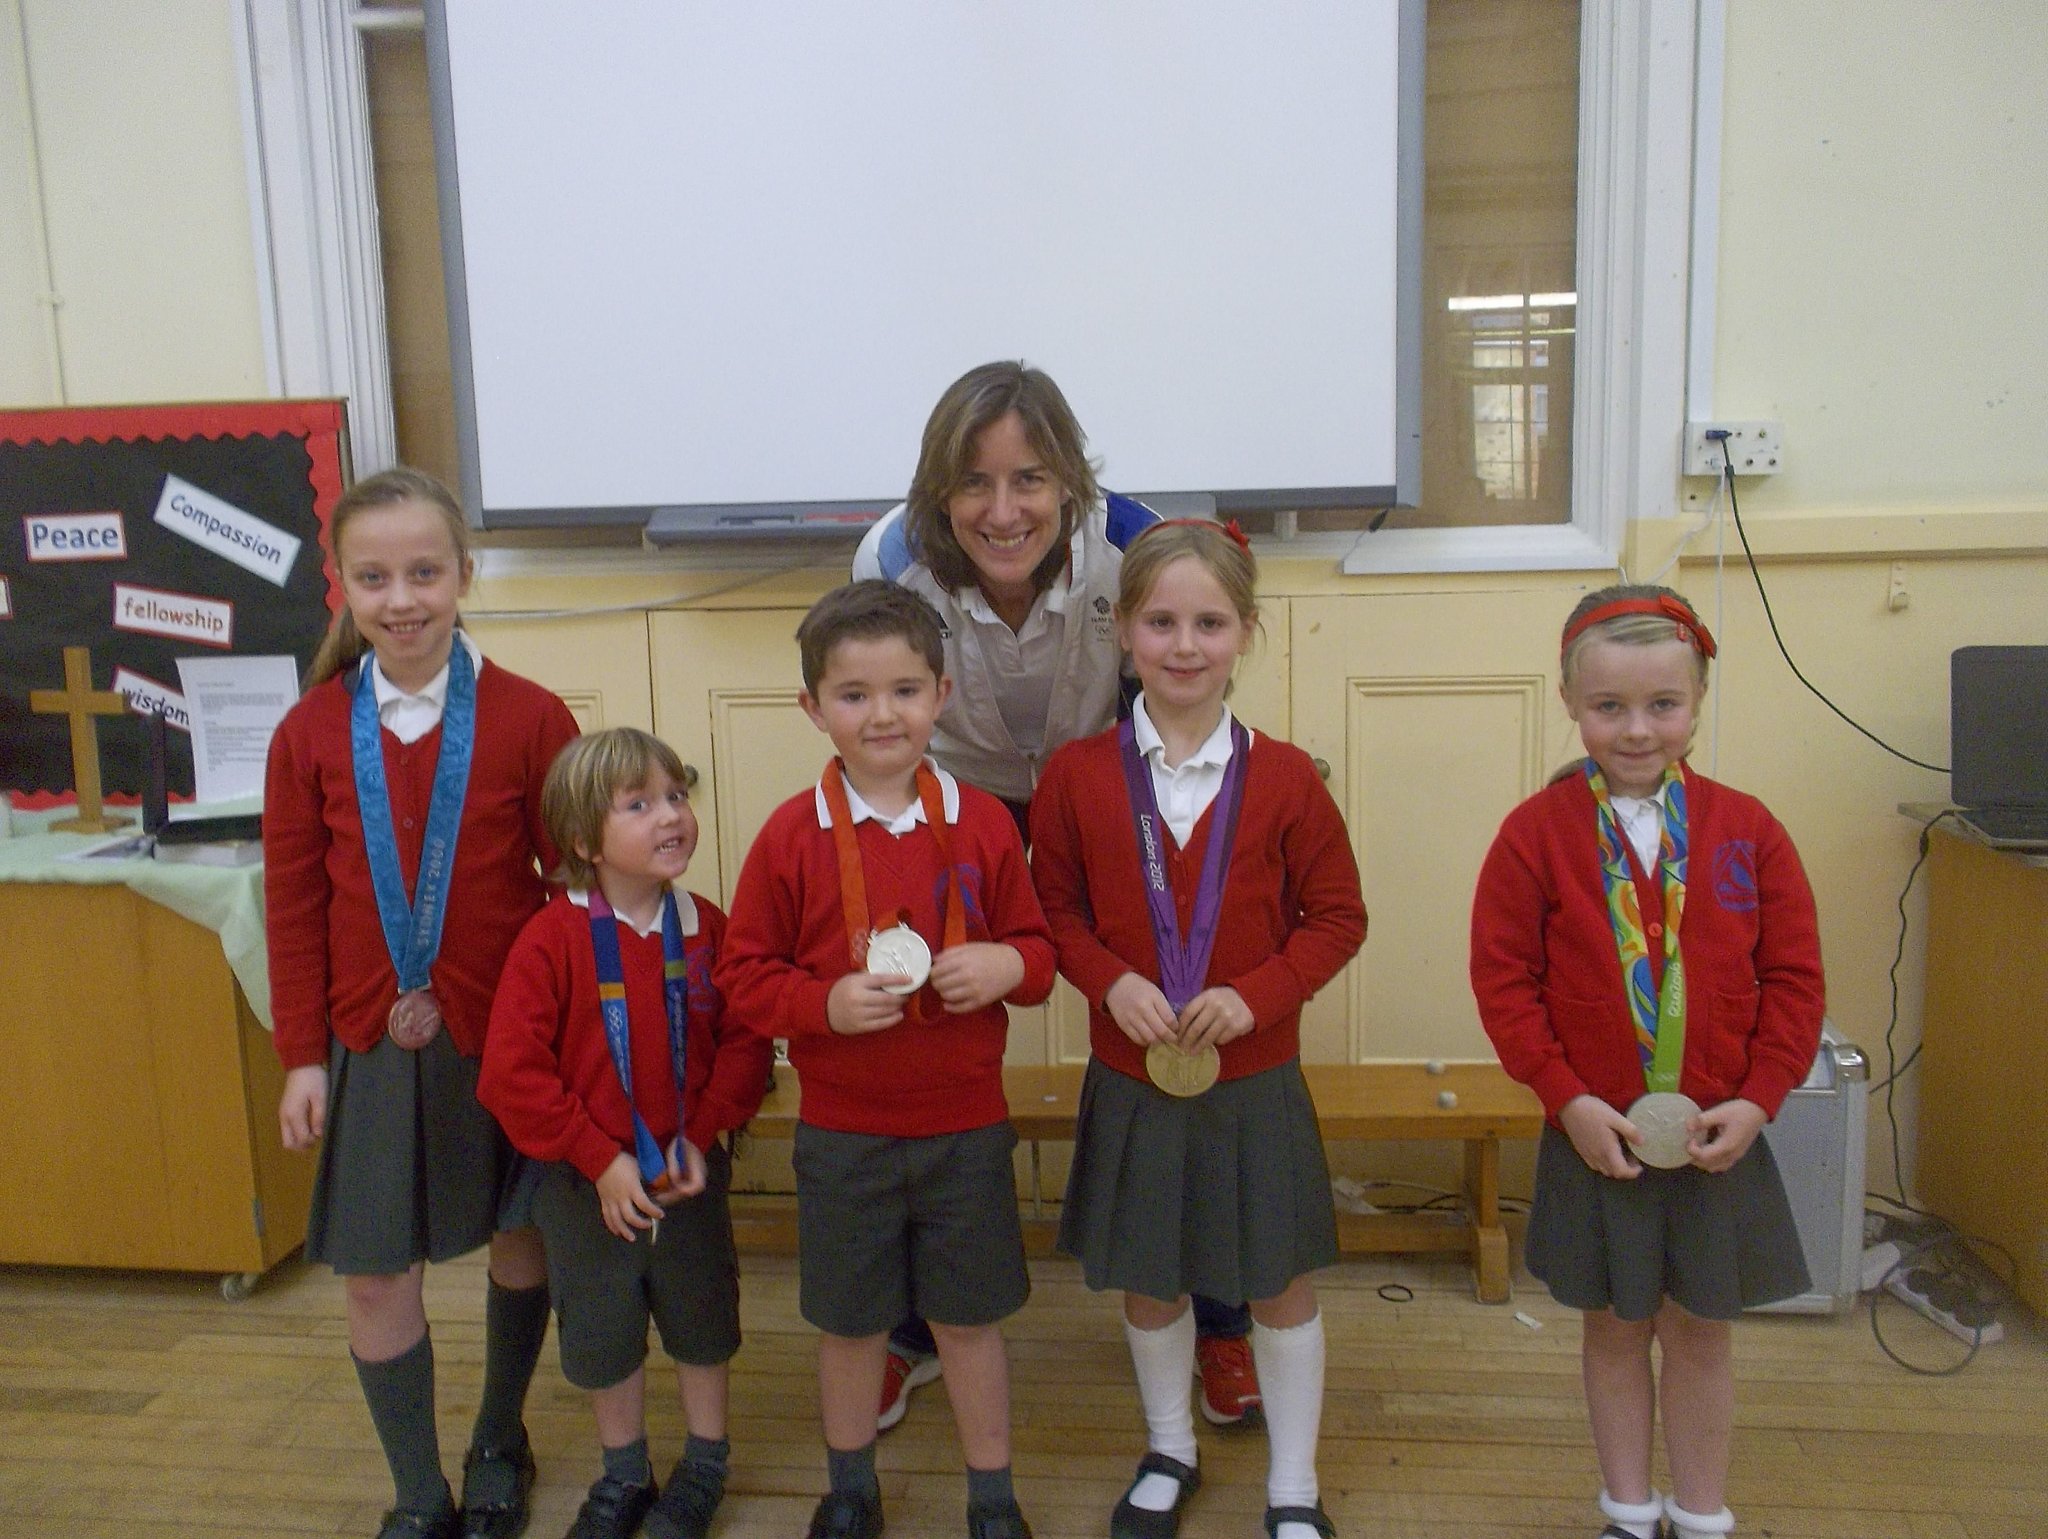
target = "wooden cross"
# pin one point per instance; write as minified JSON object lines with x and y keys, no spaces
{"x":81,"y":702}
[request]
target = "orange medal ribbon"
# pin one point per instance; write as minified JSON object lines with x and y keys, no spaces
{"x":853,"y":883}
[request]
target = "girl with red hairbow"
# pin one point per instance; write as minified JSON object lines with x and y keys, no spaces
{"x":1646,"y":959}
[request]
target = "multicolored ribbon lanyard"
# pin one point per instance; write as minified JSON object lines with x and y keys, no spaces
{"x":1183,"y":966}
{"x":412,"y":930}
{"x":853,"y":881}
{"x":611,"y":997}
{"x":1659,"y":1014}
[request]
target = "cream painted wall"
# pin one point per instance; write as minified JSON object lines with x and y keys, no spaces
{"x":1883,"y":221}
{"x":137,"y":116}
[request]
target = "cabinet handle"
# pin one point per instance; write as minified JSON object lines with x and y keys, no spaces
{"x":1322,"y":767}
{"x":689,"y":777}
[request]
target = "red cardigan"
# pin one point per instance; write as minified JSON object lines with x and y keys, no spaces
{"x":786,"y":945}
{"x":1292,"y":912}
{"x":548,"y":1075}
{"x":1548,"y":976}
{"x":329,"y":969}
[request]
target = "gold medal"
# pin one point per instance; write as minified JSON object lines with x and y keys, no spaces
{"x":1181,"y":1073}
{"x":415,"y":1019}
{"x":1660,"y":1117}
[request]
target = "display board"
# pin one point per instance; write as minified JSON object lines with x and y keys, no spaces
{"x":716,"y":256}
{"x":147,"y":534}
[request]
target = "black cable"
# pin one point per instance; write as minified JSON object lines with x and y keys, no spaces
{"x":1894,"y":1068}
{"x":1728,"y":471}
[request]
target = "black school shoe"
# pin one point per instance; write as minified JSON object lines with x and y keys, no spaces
{"x":401,"y":1524}
{"x":997,"y":1520}
{"x":1128,"y":1522}
{"x":612,"y":1510}
{"x":505,"y":1515}
{"x":687,"y":1503}
{"x":1314,"y":1517}
{"x":841,"y":1515}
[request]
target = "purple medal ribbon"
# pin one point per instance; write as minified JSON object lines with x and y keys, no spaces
{"x":1183,"y":969}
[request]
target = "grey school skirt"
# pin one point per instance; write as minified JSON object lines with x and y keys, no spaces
{"x":1714,"y":1244}
{"x":1226,"y":1193}
{"x":412,"y":1168}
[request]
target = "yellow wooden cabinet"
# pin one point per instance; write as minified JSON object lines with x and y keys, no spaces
{"x":141,"y":1094}
{"x":1983,"y":1160}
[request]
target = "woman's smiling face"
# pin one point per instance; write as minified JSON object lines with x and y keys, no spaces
{"x":1006,"y":510}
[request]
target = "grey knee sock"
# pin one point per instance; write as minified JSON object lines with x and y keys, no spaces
{"x":629,"y":1465}
{"x":990,"y":1488}
{"x":853,"y":1474}
{"x":400,"y":1393}
{"x":515,"y":1323}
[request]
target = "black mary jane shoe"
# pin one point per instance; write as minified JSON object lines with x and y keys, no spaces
{"x":1129,"y":1522}
{"x":1314,"y":1517}
{"x":1616,"y":1531}
{"x":843,"y":1515}
{"x":997,"y":1520}
{"x":506,"y":1517}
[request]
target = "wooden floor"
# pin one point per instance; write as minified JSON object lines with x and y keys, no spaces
{"x":146,"y":1406}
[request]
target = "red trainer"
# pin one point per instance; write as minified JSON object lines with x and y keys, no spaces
{"x":1230,"y":1382}
{"x":900,"y":1375}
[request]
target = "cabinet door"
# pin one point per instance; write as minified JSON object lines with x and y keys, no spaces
{"x":596,"y":663}
{"x":1436,"y":714}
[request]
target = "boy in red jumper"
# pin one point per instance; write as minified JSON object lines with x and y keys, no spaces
{"x":881,"y":923}
{"x":610,"y":1057}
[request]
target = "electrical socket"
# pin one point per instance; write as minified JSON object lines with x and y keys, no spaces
{"x":1755,"y":448}
{"x":1901,"y":1289}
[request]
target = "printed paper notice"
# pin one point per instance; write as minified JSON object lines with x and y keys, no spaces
{"x":235,"y":704}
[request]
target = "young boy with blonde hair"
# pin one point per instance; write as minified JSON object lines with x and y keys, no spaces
{"x":881,"y":923}
{"x":611,"y":1057}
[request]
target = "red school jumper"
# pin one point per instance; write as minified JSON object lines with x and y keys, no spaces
{"x":786,"y":945}
{"x":548,"y":1075}
{"x":1547,"y":973}
{"x":1292,"y":913}
{"x":329,"y":969}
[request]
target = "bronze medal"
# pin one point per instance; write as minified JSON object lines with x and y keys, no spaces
{"x":1181,"y":1073}
{"x":415,"y":1019}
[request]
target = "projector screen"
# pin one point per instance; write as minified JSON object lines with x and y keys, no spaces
{"x":726,"y":257}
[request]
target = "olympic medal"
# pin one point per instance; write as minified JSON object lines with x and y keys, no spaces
{"x":414,"y":1020}
{"x":900,"y":950}
{"x":1661,"y":1117}
{"x":1182,"y":1073}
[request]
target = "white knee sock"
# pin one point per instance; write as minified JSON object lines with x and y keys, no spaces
{"x":1694,"y":1525}
{"x":1290,"y":1364}
{"x":1639,"y":1519}
{"x":1164,"y":1361}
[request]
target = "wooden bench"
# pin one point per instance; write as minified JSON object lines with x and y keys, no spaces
{"x":1366,"y":1102}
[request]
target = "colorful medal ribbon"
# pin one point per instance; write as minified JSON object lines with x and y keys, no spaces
{"x":1183,"y":968}
{"x":853,"y":882}
{"x":1659,"y":1014}
{"x":611,"y":997}
{"x":412,"y":931}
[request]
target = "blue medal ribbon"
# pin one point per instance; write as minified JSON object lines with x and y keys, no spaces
{"x":611,"y":997}
{"x":412,"y":930}
{"x":1183,"y":967}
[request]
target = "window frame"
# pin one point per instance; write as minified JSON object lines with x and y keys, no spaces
{"x":314,"y":218}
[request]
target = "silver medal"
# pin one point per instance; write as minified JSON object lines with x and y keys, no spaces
{"x":1660,"y":1117}
{"x":900,"y":950}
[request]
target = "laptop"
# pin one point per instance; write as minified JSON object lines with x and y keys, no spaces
{"x":1998,"y":744}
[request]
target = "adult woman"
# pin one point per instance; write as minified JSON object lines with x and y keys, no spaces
{"x":1008,"y":535}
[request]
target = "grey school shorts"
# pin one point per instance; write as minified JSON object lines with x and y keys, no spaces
{"x":687,"y":1279}
{"x":891,"y":1226}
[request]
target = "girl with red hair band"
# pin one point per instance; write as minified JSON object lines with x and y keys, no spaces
{"x":1646,"y":959}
